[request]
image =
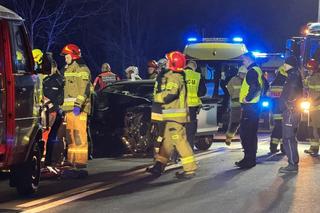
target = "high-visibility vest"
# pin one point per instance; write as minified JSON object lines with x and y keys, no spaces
{"x":193,"y":81}
{"x":245,"y":87}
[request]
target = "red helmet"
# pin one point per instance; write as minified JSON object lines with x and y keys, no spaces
{"x":176,"y":61}
{"x":313,"y":64}
{"x":153,"y":64}
{"x":73,"y":50}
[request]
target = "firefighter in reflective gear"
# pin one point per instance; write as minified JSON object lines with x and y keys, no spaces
{"x":173,"y":100}
{"x":76,"y":105}
{"x":152,"y":69}
{"x":292,"y":92}
{"x":105,"y":78}
{"x":37,"y":57}
{"x":274,"y":93}
{"x":196,"y":88}
{"x":233,"y":87}
{"x":250,"y":93}
{"x":312,"y":85}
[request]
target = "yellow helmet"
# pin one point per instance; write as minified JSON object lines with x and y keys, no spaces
{"x":37,"y":56}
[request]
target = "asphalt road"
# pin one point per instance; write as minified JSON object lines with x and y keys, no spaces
{"x":121,"y":185}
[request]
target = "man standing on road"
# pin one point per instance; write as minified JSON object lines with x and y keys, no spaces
{"x":250,"y":93}
{"x":173,"y":100}
{"x":196,"y":88}
{"x":233,"y":87}
{"x":290,"y":95}
{"x":76,"y":105}
{"x":312,"y":85}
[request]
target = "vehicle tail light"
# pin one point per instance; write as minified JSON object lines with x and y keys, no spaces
{"x":2,"y":149}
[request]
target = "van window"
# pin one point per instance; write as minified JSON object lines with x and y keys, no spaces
{"x":19,"y":48}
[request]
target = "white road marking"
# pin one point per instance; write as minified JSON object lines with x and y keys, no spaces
{"x":93,"y":191}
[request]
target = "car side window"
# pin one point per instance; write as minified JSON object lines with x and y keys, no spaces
{"x":19,"y":48}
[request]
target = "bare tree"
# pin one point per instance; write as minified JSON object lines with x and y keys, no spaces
{"x":48,"y":20}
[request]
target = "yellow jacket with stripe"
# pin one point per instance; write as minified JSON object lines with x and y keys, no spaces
{"x":172,"y":98}
{"x":77,"y":87}
{"x":312,"y":84}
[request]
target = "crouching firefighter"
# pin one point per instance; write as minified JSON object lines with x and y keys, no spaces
{"x":76,"y":105}
{"x":274,"y":93}
{"x":173,"y":101}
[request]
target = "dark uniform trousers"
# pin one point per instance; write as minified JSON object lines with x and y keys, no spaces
{"x":248,"y":130}
{"x":191,"y":127}
{"x":289,"y":130}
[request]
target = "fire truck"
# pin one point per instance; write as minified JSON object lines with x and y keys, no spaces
{"x":20,"y":130}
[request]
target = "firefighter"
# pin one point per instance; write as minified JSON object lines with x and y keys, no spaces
{"x":153,"y":69}
{"x":274,"y":93}
{"x":76,"y":105}
{"x":292,"y":91}
{"x":196,"y":88}
{"x":312,"y":85}
{"x":132,"y":73}
{"x":37,"y":57}
{"x":250,"y":93}
{"x":233,"y":87}
{"x":105,"y":78}
{"x":173,"y":100}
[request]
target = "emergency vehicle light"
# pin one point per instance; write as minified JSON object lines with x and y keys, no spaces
{"x":258,"y":54}
{"x":192,"y":39}
{"x":265,"y":104}
{"x":237,"y":39}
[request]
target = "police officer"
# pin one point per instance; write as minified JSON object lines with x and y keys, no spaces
{"x":274,"y":93}
{"x":250,"y":93}
{"x":312,"y":85}
{"x":76,"y":105}
{"x":53,"y":96}
{"x":173,"y":100}
{"x":196,"y":88}
{"x":105,"y":78}
{"x":292,"y":91}
{"x":233,"y":87}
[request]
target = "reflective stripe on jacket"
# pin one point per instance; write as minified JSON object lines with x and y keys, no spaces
{"x":77,"y":87}
{"x":172,"y":99}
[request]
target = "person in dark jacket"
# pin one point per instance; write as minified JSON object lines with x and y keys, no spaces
{"x":53,"y":95}
{"x":250,"y":93}
{"x":290,"y":95}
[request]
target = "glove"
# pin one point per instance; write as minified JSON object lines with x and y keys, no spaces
{"x":76,"y":111}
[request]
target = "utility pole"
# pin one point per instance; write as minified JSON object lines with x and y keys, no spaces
{"x":319,"y":11}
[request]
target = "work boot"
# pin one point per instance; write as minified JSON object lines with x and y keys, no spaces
{"x":313,"y":151}
{"x":156,"y":170}
{"x":283,"y":151}
{"x":228,"y":141}
{"x":274,"y":148}
{"x":290,"y":168}
{"x":185,"y":175}
{"x":245,"y":164}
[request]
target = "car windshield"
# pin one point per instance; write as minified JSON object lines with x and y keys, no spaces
{"x":140,"y":89}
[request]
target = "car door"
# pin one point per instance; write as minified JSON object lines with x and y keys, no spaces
{"x":2,"y":100}
{"x":26,"y":111}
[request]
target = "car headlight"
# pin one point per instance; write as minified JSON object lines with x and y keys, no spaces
{"x":305,"y":106}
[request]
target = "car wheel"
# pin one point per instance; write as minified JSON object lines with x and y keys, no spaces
{"x":203,"y":143}
{"x":27,"y":176}
{"x":138,"y":136}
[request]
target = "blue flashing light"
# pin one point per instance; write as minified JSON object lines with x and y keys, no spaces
{"x":258,"y":54}
{"x":265,"y":104}
{"x":237,"y":39}
{"x":192,"y":39}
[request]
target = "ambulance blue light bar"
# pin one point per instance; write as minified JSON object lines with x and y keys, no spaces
{"x":192,"y":39}
{"x":265,"y":104}
{"x":237,"y":39}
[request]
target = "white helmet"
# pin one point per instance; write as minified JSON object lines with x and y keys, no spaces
{"x":134,"y":69}
{"x":243,"y":70}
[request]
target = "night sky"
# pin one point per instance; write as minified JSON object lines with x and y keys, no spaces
{"x":164,"y":25}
